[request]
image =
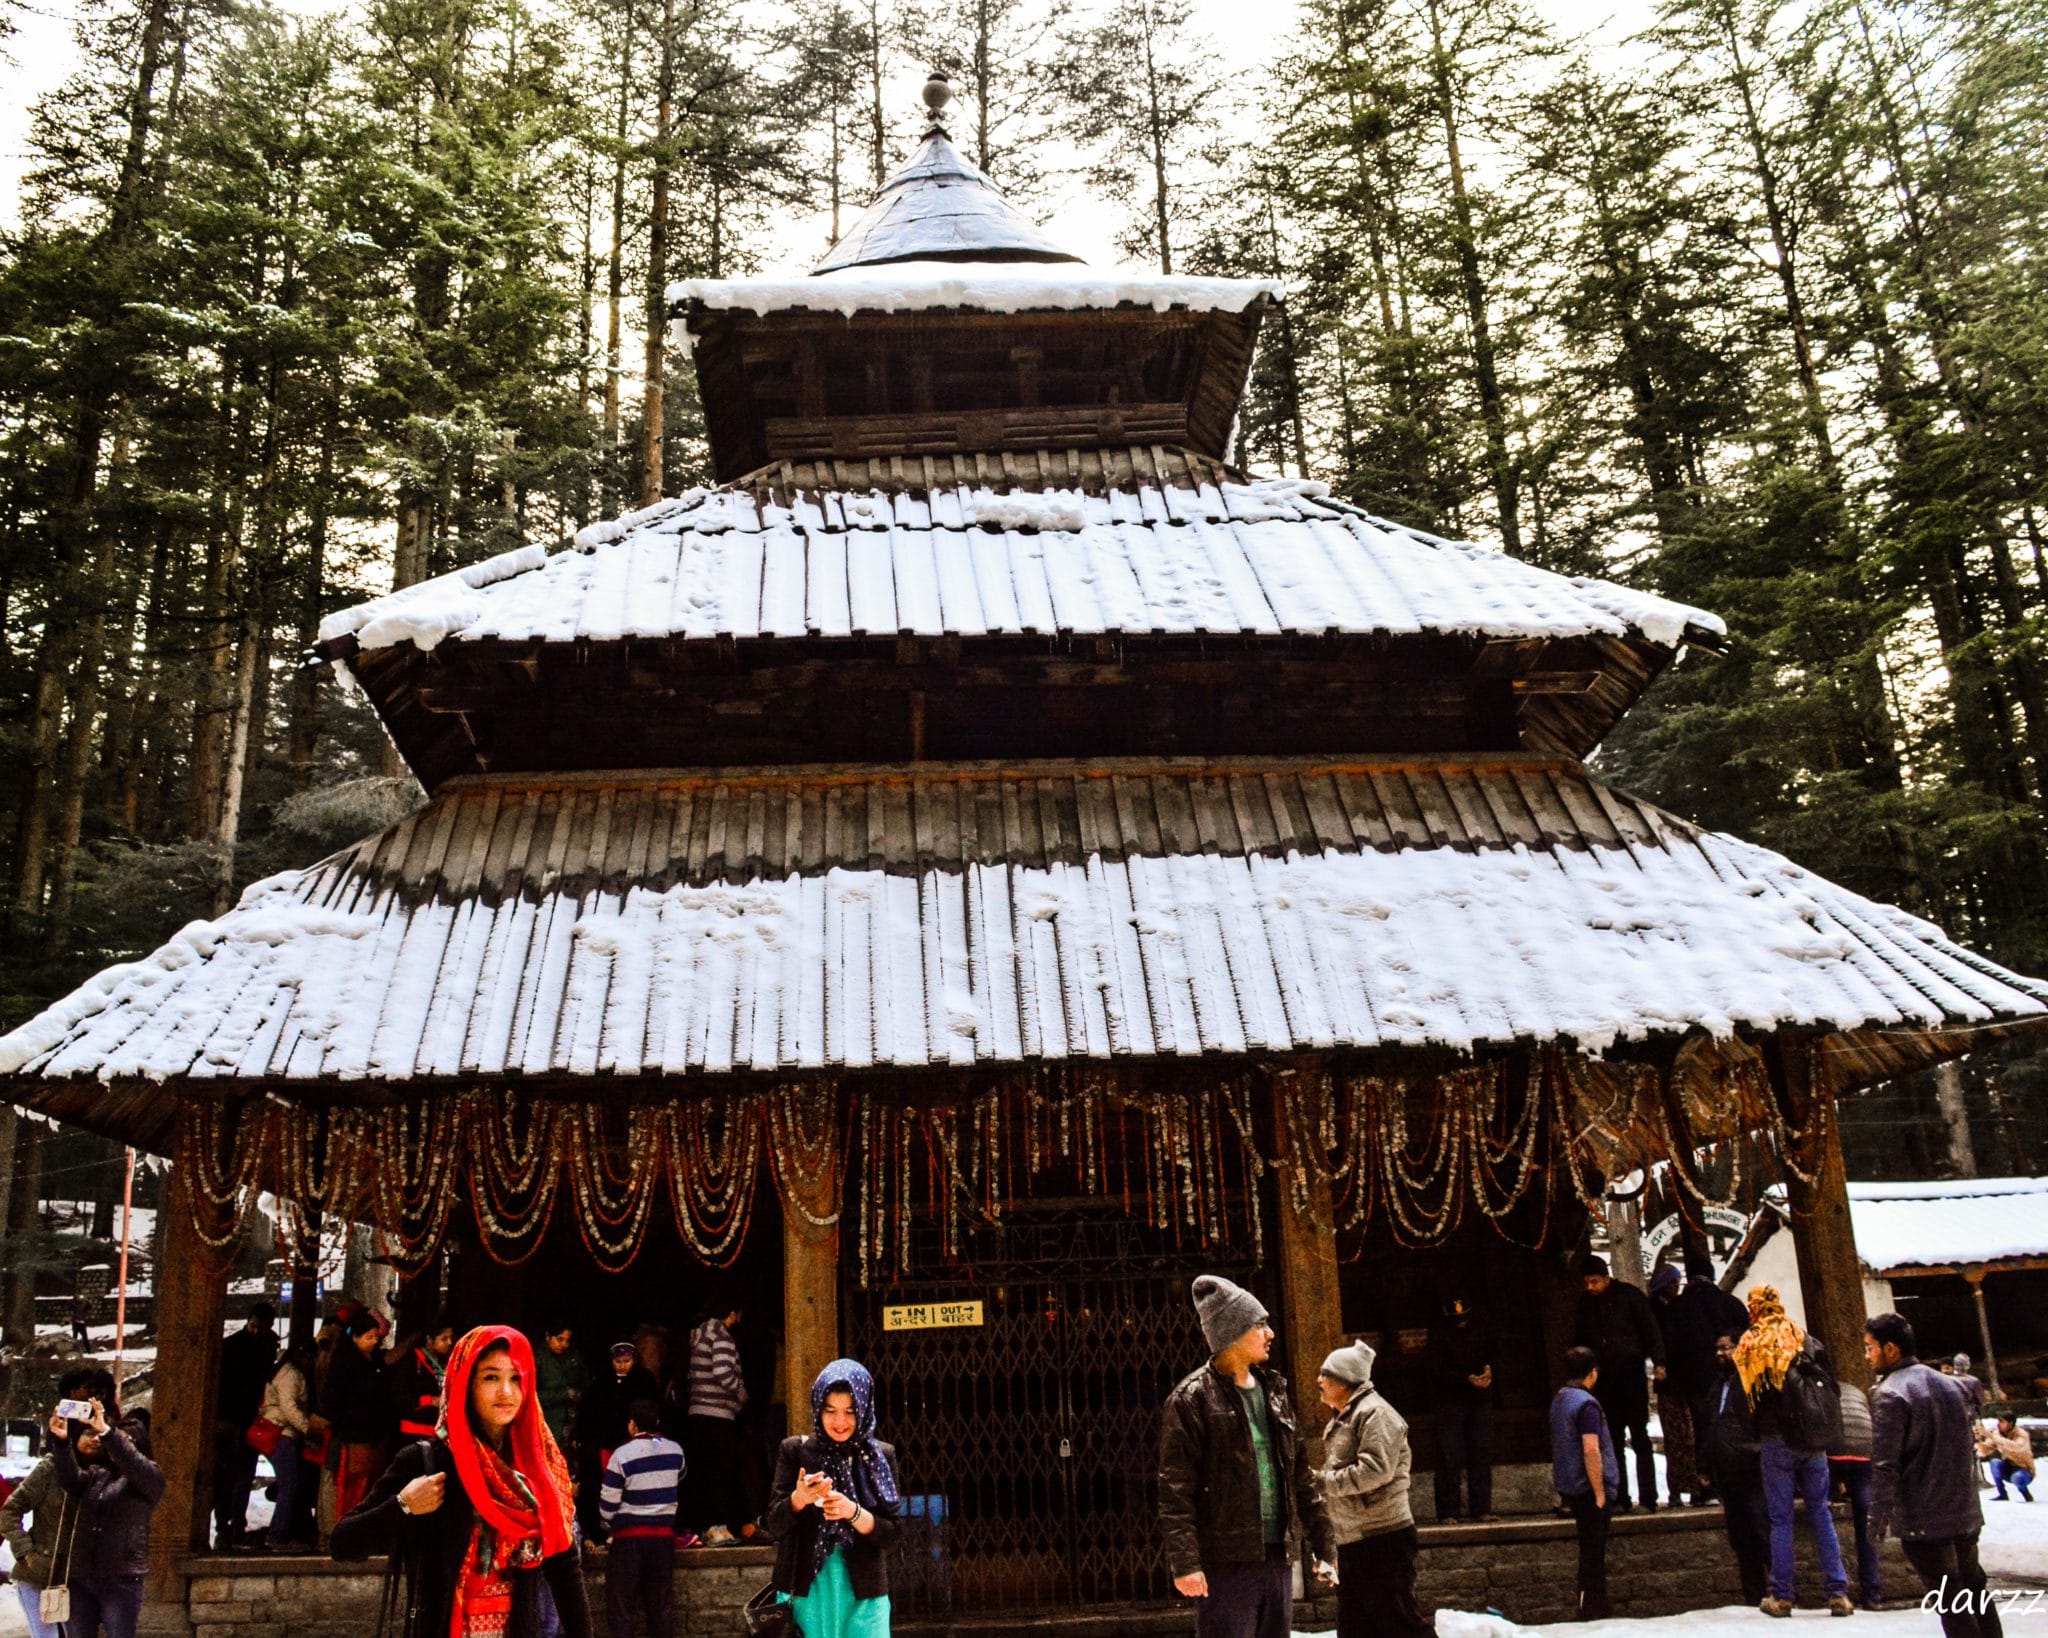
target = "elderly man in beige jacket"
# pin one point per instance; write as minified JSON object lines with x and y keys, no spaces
{"x":1364,"y":1485}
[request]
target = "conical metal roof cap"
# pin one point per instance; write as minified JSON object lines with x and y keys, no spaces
{"x":939,"y":207}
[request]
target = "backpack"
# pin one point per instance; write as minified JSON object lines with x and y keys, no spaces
{"x":1811,"y":1407}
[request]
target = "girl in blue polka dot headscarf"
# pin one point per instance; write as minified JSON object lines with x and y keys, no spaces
{"x":835,"y":1510}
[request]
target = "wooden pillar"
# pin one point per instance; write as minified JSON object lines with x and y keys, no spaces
{"x":1312,"y":1310}
{"x":810,"y":1292}
{"x":1975,"y":1276}
{"x":305,"y":1288}
{"x":191,"y":1304}
{"x":1625,"y":1239}
{"x":1823,"y":1236}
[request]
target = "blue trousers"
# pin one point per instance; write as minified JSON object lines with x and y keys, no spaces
{"x":106,"y":1604}
{"x":1790,"y":1473}
{"x":2005,"y":1473}
{"x":32,"y":1608}
{"x":1855,"y":1477}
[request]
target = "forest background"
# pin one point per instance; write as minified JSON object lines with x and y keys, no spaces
{"x":1752,"y":313}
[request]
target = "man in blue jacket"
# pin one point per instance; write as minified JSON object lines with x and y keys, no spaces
{"x":1585,"y":1473}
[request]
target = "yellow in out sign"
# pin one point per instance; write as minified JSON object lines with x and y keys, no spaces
{"x":930,"y":1316}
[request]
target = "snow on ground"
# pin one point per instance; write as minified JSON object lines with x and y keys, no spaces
{"x":2015,"y":1539}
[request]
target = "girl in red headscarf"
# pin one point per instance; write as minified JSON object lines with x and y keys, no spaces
{"x":475,"y":1517}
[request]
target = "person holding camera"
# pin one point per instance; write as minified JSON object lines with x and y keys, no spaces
{"x":105,"y":1468}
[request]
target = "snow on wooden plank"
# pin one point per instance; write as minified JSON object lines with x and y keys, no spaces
{"x":769,"y":924}
{"x":1268,"y":559}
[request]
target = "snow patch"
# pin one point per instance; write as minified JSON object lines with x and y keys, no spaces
{"x":1028,"y":509}
{"x":990,"y":287}
{"x":432,"y":610}
{"x":295,"y":945}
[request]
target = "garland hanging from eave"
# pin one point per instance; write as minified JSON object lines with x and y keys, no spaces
{"x":1506,"y":1138}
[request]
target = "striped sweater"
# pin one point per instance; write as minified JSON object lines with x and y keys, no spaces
{"x":716,"y":1387}
{"x":640,"y":1485}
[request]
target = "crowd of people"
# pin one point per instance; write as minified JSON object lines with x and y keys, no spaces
{"x":1752,"y":1413}
{"x":329,"y":1414}
{"x":478,"y":1466}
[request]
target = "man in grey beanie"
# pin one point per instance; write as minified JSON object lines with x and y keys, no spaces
{"x":1364,"y":1482}
{"x":1236,"y":1497}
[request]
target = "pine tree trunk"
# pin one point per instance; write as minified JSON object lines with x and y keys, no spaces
{"x":586,"y":298}
{"x":241,"y":739}
{"x":17,"y":1279}
{"x":615,"y":283}
{"x":1485,"y":366}
{"x":1289,"y":357}
{"x":878,"y":128}
{"x":1770,"y":186}
{"x":982,"y":156}
{"x":304,"y":732}
{"x":1155,"y":141}
{"x":10,"y":1130}
{"x":653,"y":407}
{"x":1955,"y":1117}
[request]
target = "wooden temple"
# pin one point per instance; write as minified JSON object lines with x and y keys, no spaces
{"x":986,"y":860}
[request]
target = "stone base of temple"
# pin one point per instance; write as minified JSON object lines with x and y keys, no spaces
{"x":1658,"y":1564}
{"x":252,"y":1595}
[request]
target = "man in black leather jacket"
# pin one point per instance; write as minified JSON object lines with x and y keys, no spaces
{"x":1235,"y":1494}
{"x":1923,"y":1476}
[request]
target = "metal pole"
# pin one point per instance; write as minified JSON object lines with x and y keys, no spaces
{"x":121,"y":1290}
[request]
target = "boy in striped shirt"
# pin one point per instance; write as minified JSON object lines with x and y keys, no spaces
{"x":637,"y":1502}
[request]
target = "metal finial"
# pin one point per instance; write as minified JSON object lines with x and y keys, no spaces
{"x":938,"y":95}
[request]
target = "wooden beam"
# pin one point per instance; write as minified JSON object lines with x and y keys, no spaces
{"x":1975,"y":1276}
{"x":191,"y":1303}
{"x":1823,"y":1234}
{"x":810,"y":1291}
{"x":1312,"y":1310}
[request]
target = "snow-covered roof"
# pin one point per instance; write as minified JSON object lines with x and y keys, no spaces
{"x":1271,"y":557}
{"x":918,"y":916}
{"x":1968,"y":1221}
{"x":986,"y":287}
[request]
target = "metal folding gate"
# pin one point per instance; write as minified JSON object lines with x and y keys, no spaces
{"x":1028,"y":1443}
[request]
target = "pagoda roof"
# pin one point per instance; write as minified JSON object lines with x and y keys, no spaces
{"x":940,"y":206}
{"x":1195,"y":552}
{"x":931,"y":918}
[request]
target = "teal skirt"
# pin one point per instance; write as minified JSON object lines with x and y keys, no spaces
{"x":829,"y":1609}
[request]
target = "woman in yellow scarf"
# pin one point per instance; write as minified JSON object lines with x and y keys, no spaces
{"x":1767,"y":1349}
{"x":1763,"y":1356}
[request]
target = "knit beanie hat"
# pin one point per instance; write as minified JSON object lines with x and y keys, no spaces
{"x":1663,"y":1280}
{"x":1352,"y":1364}
{"x":1225,"y":1311}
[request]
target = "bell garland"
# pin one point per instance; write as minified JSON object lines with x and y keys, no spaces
{"x":1411,"y":1152}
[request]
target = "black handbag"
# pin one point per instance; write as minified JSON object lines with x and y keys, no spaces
{"x":768,"y":1616}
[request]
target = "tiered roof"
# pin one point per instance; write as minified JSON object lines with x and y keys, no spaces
{"x":843,"y":919}
{"x":1216,"y":557}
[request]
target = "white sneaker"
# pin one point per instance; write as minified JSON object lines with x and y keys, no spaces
{"x":719,"y":1536}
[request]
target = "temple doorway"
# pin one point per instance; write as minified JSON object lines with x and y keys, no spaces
{"x":1022,"y":1391}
